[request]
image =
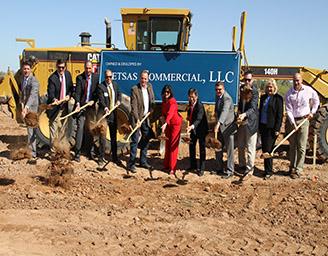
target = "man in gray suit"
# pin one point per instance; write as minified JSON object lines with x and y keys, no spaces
{"x":225,"y":115}
{"x":30,"y":102}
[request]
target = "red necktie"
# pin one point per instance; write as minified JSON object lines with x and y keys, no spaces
{"x":62,"y":88}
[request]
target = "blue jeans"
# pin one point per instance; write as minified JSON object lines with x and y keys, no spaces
{"x":146,"y":134}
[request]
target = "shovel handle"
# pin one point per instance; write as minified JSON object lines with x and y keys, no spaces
{"x":90,"y":103}
{"x":107,"y":114}
{"x":290,"y":134}
{"x":137,"y":126}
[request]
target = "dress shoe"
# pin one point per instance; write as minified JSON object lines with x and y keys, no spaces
{"x":118,"y":162}
{"x":132,"y":169}
{"x":146,"y":166}
{"x":294,"y":174}
{"x":200,"y":172}
{"x":227,"y":175}
{"x":268,"y":176}
{"x":32,"y":161}
{"x":101,"y":161}
{"x":77,"y":158}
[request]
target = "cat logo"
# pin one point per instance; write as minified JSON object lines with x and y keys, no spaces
{"x":93,"y":57}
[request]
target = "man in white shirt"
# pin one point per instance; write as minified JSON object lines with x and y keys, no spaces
{"x":142,"y":99}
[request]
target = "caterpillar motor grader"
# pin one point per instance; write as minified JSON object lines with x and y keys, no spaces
{"x":144,"y":29}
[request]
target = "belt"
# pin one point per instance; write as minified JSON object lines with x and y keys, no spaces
{"x":300,"y":118}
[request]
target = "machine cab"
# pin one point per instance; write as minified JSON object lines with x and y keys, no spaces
{"x":156,"y":29}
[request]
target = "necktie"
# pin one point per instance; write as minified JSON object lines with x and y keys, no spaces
{"x":86,"y":89}
{"x":190,"y":115}
{"x":111,"y":99}
{"x":62,"y":88}
{"x":24,"y":83}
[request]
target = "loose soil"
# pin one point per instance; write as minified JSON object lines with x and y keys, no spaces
{"x":114,"y":213}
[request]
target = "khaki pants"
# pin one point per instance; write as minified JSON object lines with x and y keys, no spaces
{"x":57,"y":127}
{"x":297,"y":145}
{"x":246,"y":142}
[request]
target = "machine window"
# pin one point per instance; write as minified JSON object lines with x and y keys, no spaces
{"x":165,"y":32}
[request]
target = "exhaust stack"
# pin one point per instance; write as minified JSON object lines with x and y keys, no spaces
{"x":85,"y":39}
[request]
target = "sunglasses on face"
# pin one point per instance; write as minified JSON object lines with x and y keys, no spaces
{"x":60,"y":67}
{"x":168,"y":92}
{"x":109,"y":76}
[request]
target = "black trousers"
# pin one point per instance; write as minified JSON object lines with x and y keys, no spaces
{"x":113,"y":141}
{"x":192,"y":151}
{"x":268,"y":139}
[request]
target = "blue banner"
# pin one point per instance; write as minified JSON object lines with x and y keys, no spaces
{"x":182,"y":70}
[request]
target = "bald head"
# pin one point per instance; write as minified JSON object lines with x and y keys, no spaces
{"x":297,"y":81}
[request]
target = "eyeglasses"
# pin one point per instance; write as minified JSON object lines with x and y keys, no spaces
{"x":60,"y":67}
{"x":109,"y":76}
{"x":247,"y":79}
{"x":218,"y":89}
{"x":168,"y":92}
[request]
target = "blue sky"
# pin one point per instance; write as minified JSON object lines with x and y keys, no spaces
{"x":289,"y":33}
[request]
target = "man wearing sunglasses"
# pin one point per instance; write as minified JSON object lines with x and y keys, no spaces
{"x":60,"y":87}
{"x":247,"y":131}
{"x":86,"y":84}
{"x":109,"y":95}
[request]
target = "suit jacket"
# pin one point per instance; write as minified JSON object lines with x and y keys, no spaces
{"x":198,"y":119}
{"x":30,"y":94}
{"x":251,"y":111}
{"x":137,"y":106}
{"x":224,"y":111}
{"x":170,"y":112}
{"x":80,"y":94}
{"x":53,"y":91}
{"x":104,"y":100}
{"x":275,"y":111}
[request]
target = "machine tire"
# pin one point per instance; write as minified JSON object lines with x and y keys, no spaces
{"x":319,"y":126}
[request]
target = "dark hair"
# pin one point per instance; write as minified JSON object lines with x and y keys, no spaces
{"x":247,"y":72}
{"x":167,"y":87}
{"x":218,"y":83}
{"x":27,"y":63}
{"x":193,"y":90}
{"x":60,"y":61}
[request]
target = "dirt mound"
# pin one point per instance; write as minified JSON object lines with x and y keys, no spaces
{"x":21,"y":153}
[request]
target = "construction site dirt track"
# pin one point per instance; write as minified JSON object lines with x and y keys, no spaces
{"x":112,"y":213}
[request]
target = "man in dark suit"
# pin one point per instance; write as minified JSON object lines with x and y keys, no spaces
{"x":29,"y":99}
{"x":109,"y":95}
{"x":247,"y":131}
{"x":142,"y":100}
{"x":86,"y":84}
{"x":225,"y":116}
{"x":60,"y":85}
{"x":198,"y":129}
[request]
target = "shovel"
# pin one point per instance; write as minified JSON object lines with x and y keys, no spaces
{"x":51,"y":105}
{"x":90,"y":103}
{"x":269,"y":155}
{"x":136,"y":128}
{"x":107,"y":114}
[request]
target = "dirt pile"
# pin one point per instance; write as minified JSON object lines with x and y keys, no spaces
{"x":85,"y":212}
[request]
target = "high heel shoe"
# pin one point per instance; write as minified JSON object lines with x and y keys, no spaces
{"x":172,"y":172}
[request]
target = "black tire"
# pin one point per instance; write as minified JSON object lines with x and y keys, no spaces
{"x":319,"y":126}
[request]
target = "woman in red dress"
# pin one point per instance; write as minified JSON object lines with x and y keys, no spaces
{"x":171,"y":127}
